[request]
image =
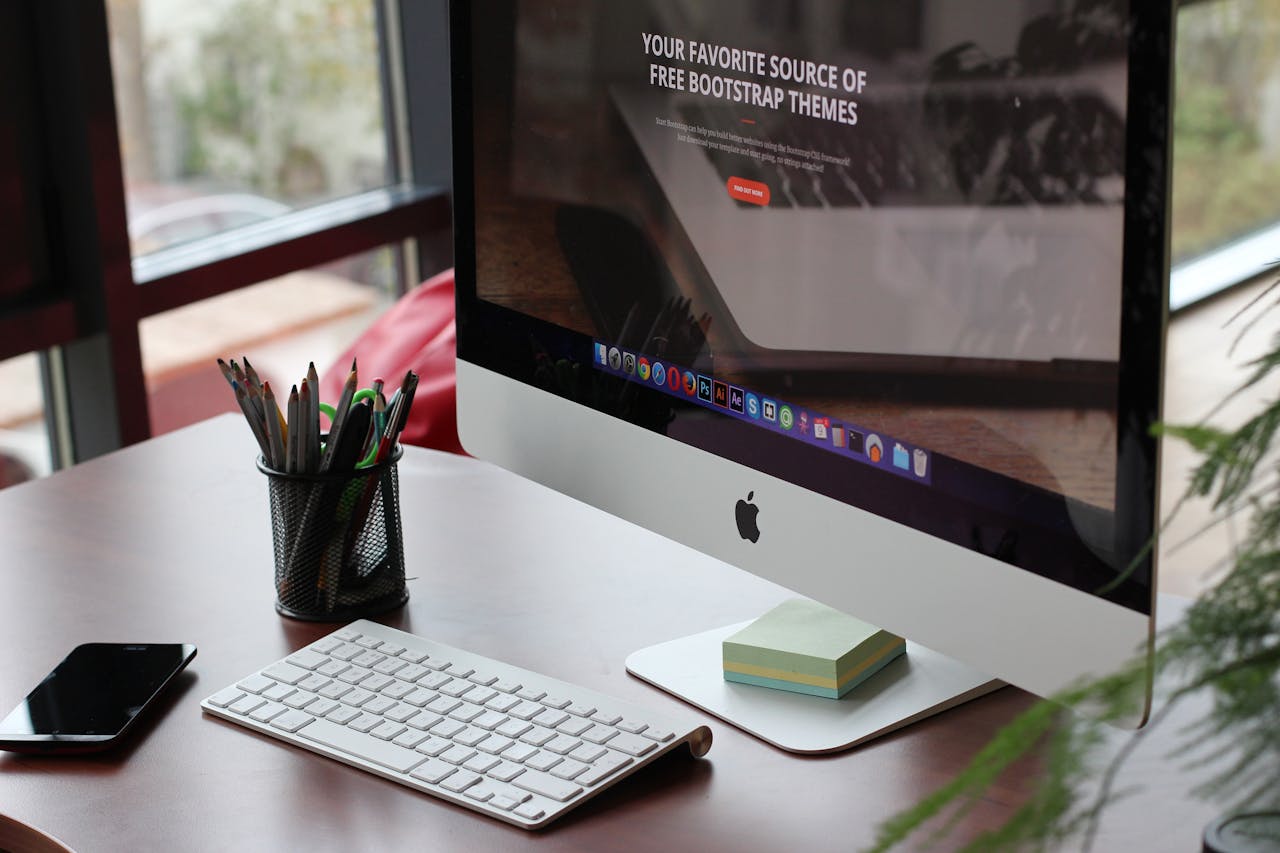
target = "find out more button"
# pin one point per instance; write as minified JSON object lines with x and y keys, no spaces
{"x":752,"y":192}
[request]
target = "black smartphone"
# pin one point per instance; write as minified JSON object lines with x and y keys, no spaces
{"x":92,"y":698}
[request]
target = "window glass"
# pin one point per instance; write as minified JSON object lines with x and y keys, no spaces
{"x":281,"y":325}
{"x":1226,"y":141}
{"x":24,"y":443}
{"x":234,"y":111}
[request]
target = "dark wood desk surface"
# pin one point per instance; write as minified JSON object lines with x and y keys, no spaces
{"x":170,"y":541}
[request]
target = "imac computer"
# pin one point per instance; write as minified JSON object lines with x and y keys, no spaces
{"x":865,"y":297}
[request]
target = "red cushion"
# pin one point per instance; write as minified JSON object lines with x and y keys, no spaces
{"x":417,"y":333}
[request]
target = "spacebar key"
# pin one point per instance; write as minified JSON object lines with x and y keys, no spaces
{"x":363,"y":746}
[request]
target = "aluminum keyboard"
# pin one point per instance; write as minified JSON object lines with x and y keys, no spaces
{"x":492,"y":737}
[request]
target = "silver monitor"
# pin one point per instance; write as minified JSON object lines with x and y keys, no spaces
{"x":866,"y":298}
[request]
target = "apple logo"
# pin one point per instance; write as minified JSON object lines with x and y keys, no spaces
{"x":745,"y":512}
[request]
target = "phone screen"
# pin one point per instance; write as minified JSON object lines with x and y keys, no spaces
{"x":95,"y":692}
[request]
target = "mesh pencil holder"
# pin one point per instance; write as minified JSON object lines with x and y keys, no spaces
{"x":339,"y":546}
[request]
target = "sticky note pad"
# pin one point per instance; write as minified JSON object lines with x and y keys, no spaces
{"x":807,"y":647}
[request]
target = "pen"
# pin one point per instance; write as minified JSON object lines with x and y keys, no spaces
{"x":340,"y":411}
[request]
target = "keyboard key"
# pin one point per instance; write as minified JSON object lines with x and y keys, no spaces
{"x":604,"y":767}
{"x":387,"y":731}
{"x":286,"y":672}
{"x":419,"y":697}
{"x":530,"y":811}
{"x":545,"y":785}
{"x":520,"y":752}
{"x":606,"y":718}
{"x":342,"y":715}
{"x":333,"y":669}
{"x":466,"y":712}
{"x":568,"y":769}
{"x":457,"y":754}
{"x":447,"y":728}
{"x":574,"y":727}
{"x":433,"y":746}
{"x":562,"y":744}
{"x":557,"y":702}
{"x":599,"y":734}
{"x":434,"y":681}
{"x":369,"y":659}
{"x":291,"y":721}
{"x":455,"y":688}
{"x":434,"y":771}
{"x":226,"y":697}
{"x":581,"y":710}
{"x":390,"y":666}
{"x":307,"y":659}
{"x":470,"y":737}
{"x":537,"y":736}
{"x":631,"y":744}
{"x":480,"y":695}
{"x":413,"y":656}
{"x":246,"y":704}
{"x":346,"y":652}
{"x":357,"y":697}
{"x":437,"y":664}
{"x":442,"y":705}
{"x":378,"y":705}
{"x":343,"y":739}
{"x":480,"y":793}
{"x":368,"y":642}
{"x":412,"y":672}
{"x":317,"y":707}
{"x":588,"y":753}
{"x":550,"y":718}
{"x":495,"y":744}
{"x":365,"y":722}
{"x":376,"y":682}
{"x":482,"y":679}
{"x":532,"y":694}
{"x":459,"y":671}
{"x":513,"y":728}
{"x":268,"y":712}
{"x":410,"y":738}
{"x":326,"y":645}
{"x":398,"y":690}
{"x":506,"y":771}
{"x":460,"y":781}
{"x":255,"y":684}
{"x":313,"y":682}
{"x":278,"y":692}
{"x":526,"y":710}
{"x":660,"y":735}
{"x":401,"y":713}
{"x":355,"y":675}
{"x":544,"y":761}
{"x":633,"y":726}
{"x":504,"y":686}
{"x":482,"y":763}
{"x":489,"y":720}
{"x":391,"y":649}
{"x":502,"y":703}
{"x":424,"y":720}
{"x":336,"y":690}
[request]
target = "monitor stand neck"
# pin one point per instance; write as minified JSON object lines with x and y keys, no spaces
{"x":917,"y":685}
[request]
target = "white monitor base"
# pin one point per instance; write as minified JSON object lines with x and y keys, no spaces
{"x":919,"y":684}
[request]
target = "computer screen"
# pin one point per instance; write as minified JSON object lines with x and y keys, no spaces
{"x":863,"y":296}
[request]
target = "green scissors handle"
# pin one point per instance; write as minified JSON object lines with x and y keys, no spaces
{"x":330,"y":412}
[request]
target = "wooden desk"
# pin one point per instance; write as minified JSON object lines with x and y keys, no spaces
{"x":170,"y":541}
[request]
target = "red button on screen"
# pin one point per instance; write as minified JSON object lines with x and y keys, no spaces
{"x":752,"y":192}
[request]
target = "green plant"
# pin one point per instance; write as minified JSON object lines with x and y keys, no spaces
{"x":1227,"y":648}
